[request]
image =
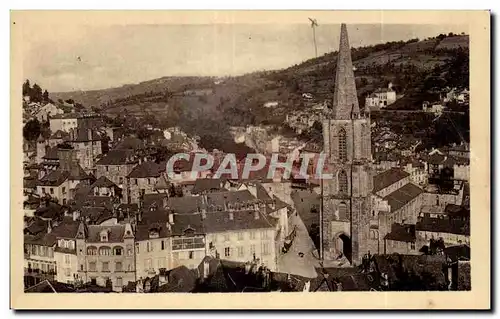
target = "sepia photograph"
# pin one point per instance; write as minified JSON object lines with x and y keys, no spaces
{"x":214,"y":156}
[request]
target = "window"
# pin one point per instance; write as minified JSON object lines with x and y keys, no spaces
{"x":252,"y":249}
{"x":64,"y":201}
{"x":135,"y":181}
{"x":105,"y":266}
{"x":252,"y":234}
{"x":343,"y":182}
{"x":240,"y":236}
{"x":93,"y":281}
{"x":118,"y":266}
{"x":136,"y":247}
{"x":118,"y":169}
{"x":343,"y":211}
{"x":265,"y":249}
{"x":240,"y":251}
{"x":107,"y":168}
{"x":104,"y":251}
{"x":92,"y":266}
{"x":227,"y":252}
{"x":119,"y":281}
{"x":43,"y":190}
{"x":120,"y":180}
{"x":412,"y":245}
{"x":162,"y":245}
{"x":263,"y":234}
{"x":67,"y":272}
{"x":118,"y":251}
{"x":64,"y":190}
{"x":148,"y":264}
{"x":149,"y":246}
{"x":66,"y":259}
{"x":51,"y":191}
{"x":81,"y":267}
{"x":130,"y":251}
{"x":191,"y":254}
{"x":342,"y":145}
{"x":226,"y":237}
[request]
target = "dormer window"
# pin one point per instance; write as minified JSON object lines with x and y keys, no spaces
{"x":104,"y":235}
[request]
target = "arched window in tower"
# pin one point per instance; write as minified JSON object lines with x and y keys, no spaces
{"x":343,"y":183}
{"x":342,"y":145}
{"x":343,"y":211}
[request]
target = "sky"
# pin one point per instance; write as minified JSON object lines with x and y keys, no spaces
{"x":86,"y":58}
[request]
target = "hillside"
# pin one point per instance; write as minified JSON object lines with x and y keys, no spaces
{"x":207,"y":106}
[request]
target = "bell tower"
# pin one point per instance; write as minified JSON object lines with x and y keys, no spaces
{"x":345,"y":216}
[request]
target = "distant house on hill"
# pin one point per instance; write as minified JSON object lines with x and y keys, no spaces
{"x":381,"y":98}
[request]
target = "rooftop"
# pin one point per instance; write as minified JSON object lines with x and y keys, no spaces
{"x":387,"y":178}
{"x":403,"y":196}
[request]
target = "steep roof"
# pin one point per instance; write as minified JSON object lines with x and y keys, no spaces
{"x":103,"y":181}
{"x":220,"y":221}
{"x":59,"y":135}
{"x":117,"y":157}
{"x":403,"y":196}
{"x":444,"y":225}
{"x":54,"y":178}
{"x":206,"y":184}
{"x":131,"y":143}
{"x":115,"y":233}
{"x":345,"y":99}
{"x":387,"y":178}
{"x":162,"y":183}
{"x":148,"y":169}
{"x":400,"y":232}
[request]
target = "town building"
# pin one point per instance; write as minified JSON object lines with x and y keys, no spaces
{"x":105,"y":255}
{"x":143,"y":179}
{"x":381,"y":98}
{"x":87,"y":144}
{"x":44,"y":113}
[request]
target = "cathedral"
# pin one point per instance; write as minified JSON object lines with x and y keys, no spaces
{"x":347,"y":214}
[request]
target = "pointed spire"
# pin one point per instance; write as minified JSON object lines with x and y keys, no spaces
{"x":81,"y":233}
{"x":345,"y":99}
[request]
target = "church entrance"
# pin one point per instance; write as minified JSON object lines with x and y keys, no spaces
{"x":343,"y":247}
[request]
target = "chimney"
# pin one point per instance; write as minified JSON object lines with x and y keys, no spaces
{"x":89,"y":134}
{"x":256,"y":214}
{"x":76,"y":215}
{"x":231,"y":215}
{"x":203,"y":213}
{"x":49,"y":227}
{"x":171,"y":218}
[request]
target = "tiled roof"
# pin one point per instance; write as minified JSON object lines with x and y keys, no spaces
{"x":220,"y":221}
{"x":36,"y":227}
{"x":401,"y":232}
{"x":185,"y":222}
{"x":157,"y":199}
{"x":96,"y":215}
{"x":148,"y":169}
{"x":444,"y":225}
{"x":229,"y":197}
{"x":143,"y":230}
{"x":206,"y":185}
{"x":117,"y":157}
{"x":403,"y":196}
{"x":66,"y":229}
{"x":43,"y":239}
{"x":103,"y":181}
{"x":131,"y":143}
{"x":50,"y":211}
{"x":115,"y":233}
{"x":387,"y":178}
{"x":54,"y":178}
{"x":184,"y":205}
{"x":436,"y":159}
{"x":180,"y":279}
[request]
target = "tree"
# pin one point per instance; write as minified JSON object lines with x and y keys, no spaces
{"x":26,"y":88}
{"x":32,"y":130}
{"x":36,"y":93}
{"x":45,"y":96}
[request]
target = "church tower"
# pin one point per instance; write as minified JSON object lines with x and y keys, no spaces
{"x":346,"y":211}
